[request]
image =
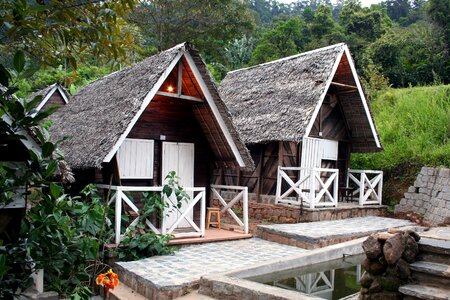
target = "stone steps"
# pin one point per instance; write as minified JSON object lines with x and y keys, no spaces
{"x":440,"y":270}
{"x":431,"y":273}
{"x":418,"y":291}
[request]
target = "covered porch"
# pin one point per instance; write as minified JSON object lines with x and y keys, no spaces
{"x":185,"y":222}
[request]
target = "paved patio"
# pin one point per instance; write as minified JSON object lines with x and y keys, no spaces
{"x":328,"y":231}
{"x":189,"y":263}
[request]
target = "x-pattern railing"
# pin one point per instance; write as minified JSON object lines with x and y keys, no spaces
{"x":120,"y":197}
{"x":227,"y":207}
{"x":311,"y":188}
{"x":369,"y":185}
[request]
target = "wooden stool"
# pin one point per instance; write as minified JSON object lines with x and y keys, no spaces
{"x":213,"y":211}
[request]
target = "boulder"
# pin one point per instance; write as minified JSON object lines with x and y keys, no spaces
{"x":372,"y":247}
{"x":366,"y":280}
{"x":411,"y":249}
{"x":374,"y":267}
{"x":393,"y":248}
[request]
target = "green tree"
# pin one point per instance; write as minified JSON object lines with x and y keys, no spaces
{"x":239,"y":52}
{"x":209,"y":25}
{"x":283,"y":40}
{"x":66,"y":32}
{"x":323,"y":22}
{"x":439,"y":12}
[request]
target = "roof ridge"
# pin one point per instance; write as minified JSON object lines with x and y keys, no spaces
{"x":291,"y":57}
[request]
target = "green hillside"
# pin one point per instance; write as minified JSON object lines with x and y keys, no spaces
{"x":414,"y":126}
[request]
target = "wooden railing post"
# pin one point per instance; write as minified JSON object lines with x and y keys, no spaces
{"x":380,"y":189}
{"x":203,"y":213}
{"x":312,"y":189}
{"x":118,"y":214}
{"x":245,"y":209}
{"x":362,"y":185}
{"x":278,"y":191}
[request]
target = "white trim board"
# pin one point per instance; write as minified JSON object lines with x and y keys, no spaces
{"x":148,"y":98}
{"x":50,"y":93}
{"x":363,"y":98}
{"x":155,"y":90}
{"x":214,"y":109}
{"x":324,"y":93}
{"x":358,"y":85}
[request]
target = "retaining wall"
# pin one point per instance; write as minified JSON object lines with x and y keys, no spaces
{"x":429,"y":196}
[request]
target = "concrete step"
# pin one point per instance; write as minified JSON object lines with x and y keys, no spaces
{"x":433,"y":257}
{"x":441,"y":270}
{"x":418,"y":291}
{"x":124,"y":292}
{"x":441,"y":247}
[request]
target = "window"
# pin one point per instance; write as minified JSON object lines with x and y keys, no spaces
{"x":135,"y":159}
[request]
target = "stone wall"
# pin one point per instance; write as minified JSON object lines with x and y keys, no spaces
{"x":429,"y":196}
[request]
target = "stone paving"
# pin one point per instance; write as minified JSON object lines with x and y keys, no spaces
{"x":356,"y":227}
{"x":190,"y":263}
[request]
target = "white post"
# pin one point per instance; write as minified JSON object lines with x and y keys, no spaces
{"x":118,"y":214}
{"x":38,"y":280}
{"x":203,"y":213}
{"x":278,"y":192}
{"x":380,"y":189}
{"x":362,"y":184}
{"x":245,"y":209}
{"x":335,"y":189}
{"x":312,"y":191}
{"x":347,"y":178}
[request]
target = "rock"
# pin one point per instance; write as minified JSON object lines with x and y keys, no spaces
{"x":375,"y":287}
{"x":393,"y":248}
{"x":402,"y":269}
{"x":389,"y":283}
{"x":364,"y":291}
{"x":374,"y":267}
{"x":411,"y":249}
{"x":372,"y":247}
{"x":366,"y":280}
{"x":414,"y":235}
{"x":383,"y":261}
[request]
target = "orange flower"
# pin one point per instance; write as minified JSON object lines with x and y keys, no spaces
{"x":108,"y":280}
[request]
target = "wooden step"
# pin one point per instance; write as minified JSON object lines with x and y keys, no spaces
{"x":425,"y":292}
{"x":124,"y":292}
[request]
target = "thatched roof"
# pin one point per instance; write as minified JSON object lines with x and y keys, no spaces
{"x":275,"y":101}
{"x":47,"y":92}
{"x":99,"y":115}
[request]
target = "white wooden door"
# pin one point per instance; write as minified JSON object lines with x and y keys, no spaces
{"x":179,"y":157}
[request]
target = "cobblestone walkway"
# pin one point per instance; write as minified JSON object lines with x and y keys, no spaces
{"x":338,"y":228}
{"x":190,"y":263}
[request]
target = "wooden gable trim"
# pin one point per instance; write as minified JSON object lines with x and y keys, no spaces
{"x":28,"y":142}
{"x":214,"y":109}
{"x":324,"y":93}
{"x":49,"y":94}
{"x":358,"y":87}
{"x":148,"y":98}
{"x":363,"y":97}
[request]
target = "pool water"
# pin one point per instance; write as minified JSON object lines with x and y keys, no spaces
{"x":331,"y":280}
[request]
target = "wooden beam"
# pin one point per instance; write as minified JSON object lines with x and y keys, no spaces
{"x":344,"y":85}
{"x":183,"y":97}
{"x":180,"y":78}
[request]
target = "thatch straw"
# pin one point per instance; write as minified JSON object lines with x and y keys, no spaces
{"x":99,"y":114}
{"x":275,"y":101}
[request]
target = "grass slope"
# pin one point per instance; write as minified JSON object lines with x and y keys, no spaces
{"x":414,"y":127}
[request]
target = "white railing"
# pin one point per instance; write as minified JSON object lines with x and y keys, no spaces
{"x":227,"y":207}
{"x":311,"y":189}
{"x":369,"y":185}
{"x":183,"y":213}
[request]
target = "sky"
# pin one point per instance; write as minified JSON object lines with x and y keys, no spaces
{"x":363,"y":2}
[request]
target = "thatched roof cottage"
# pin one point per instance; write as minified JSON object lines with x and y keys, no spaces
{"x":134,"y":126}
{"x":52,"y":95}
{"x":307,"y":110}
{"x":162,"y":101}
